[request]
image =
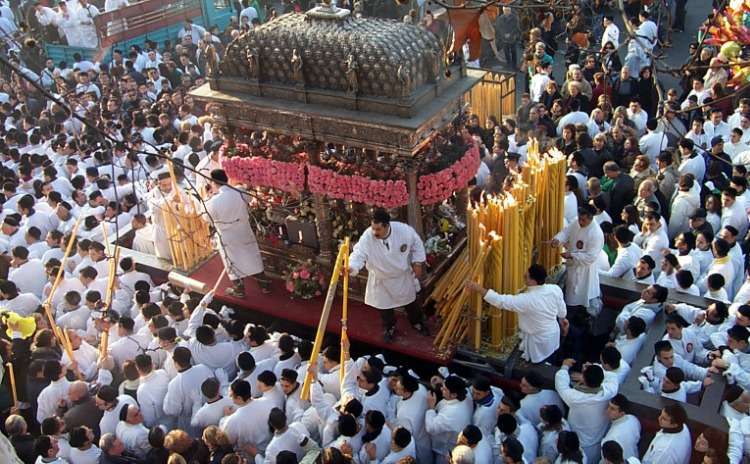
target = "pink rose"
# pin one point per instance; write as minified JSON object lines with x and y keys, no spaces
{"x":290,"y":287}
{"x":295,"y":275}
{"x":304,"y":274}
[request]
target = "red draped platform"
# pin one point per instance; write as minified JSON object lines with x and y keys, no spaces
{"x":364,"y":322}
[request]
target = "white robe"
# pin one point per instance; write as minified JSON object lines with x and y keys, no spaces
{"x":86,"y":356}
{"x":538,"y":308}
{"x":582,"y":278}
{"x":390,"y":279}
{"x":238,"y":246}
{"x":287,"y":440}
{"x":84,"y":17}
{"x":210,"y":413}
{"x":410,"y":414}
{"x":445,"y":422}
{"x":151,"y":393}
{"x":184,"y":397}
{"x":669,"y":448}
{"x":109,"y":420}
{"x":134,"y":437}
{"x":249,"y":425}
{"x":626,"y":431}
{"x":533,"y":402}
{"x":49,"y":399}
{"x":90,"y":456}
{"x":626,"y":260}
{"x":588,"y":411}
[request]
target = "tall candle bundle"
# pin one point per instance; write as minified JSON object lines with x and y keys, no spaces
{"x":503,"y":234}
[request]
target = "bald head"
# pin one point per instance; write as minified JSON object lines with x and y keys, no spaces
{"x":78,"y":390}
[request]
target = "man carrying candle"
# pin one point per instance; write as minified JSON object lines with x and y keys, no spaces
{"x":393,"y":253}
{"x":583,"y":241}
{"x":238,"y":246}
{"x":541,"y":313}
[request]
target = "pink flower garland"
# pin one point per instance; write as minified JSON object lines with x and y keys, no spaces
{"x":436,"y":187}
{"x":263,"y":172}
{"x":380,"y":193}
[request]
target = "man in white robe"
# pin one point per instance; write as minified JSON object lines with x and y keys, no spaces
{"x":84,"y":16}
{"x":158,"y":204}
{"x":54,"y":393}
{"x":541,"y":311}
{"x":393,"y":253}
{"x":151,"y":392}
{"x":184,"y":396}
{"x":237,"y":244}
{"x":588,"y":404}
{"x":625,"y":428}
{"x":111,"y":404}
{"x":583,"y":241}
{"x":248,"y":424}
{"x":671,"y":444}
{"x":410,"y":413}
{"x":132,"y":432}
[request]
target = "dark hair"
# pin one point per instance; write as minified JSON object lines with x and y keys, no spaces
{"x":381,"y":216}
{"x":242,"y":389}
{"x":677,"y":413}
{"x":612,"y":452}
{"x":538,"y":274}
{"x":593,"y":376}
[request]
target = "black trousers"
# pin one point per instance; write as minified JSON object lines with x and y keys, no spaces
{"x":413,"y":313}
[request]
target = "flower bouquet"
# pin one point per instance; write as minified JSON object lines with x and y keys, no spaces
{"x":305,"y":280}
{"x":436,"y":247}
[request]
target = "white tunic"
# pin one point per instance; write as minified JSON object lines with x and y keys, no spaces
{"x":288,"y":440}
{"x":532,"y":403}
{"x":390,"y":279}
{"x":582,"y":278}
{"x":134,"y":437}
{"x":89,"y":456}
{"x":85,"y":19}
{"x":184,"y":397}
{"x":669,"y":448}
{"x":446,"y":421}
{"x":86,"y":356}
{"x":151,"y":393}
{"x":410,"y":414}
{"x":626,"y":260}
{"x":626,"y":431}
{"x":588,"y":411}
{"x":49,"y":399}
{"x":24,"y":304}
{"x":238,"y":246}
{"x":210,"y":413}
{"x":249,"y":425}
{"x":30,"y":277}
{"x":109,"y":420}
{"x":539,"y":309}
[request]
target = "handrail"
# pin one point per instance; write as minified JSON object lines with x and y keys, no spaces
{"x":141,"y":18}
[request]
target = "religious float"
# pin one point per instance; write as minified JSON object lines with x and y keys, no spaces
{"x":327,"y":115}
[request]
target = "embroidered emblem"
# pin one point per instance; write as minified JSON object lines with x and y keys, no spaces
{"x":579,"y":244}
{"x":403,"y":248}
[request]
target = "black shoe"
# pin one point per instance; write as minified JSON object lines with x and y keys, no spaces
{"x":422,"y":329}
{"x":389,"y":335}
{"x":237,"y":292}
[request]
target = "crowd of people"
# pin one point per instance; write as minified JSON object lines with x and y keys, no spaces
{"x":656,"y":193}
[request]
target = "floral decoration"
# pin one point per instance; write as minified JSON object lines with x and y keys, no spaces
{"x":305,"y":280}
{"x":258,"y":171}
{"x":436,"y":187}
{"x":380,"y":193}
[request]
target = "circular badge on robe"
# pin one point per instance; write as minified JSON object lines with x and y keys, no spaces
{"x":689,"y":348}
{"x":579,"y":244}
{"x":403,"y":248}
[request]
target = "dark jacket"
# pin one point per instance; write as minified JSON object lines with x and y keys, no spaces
{"x":507,"y":29}
{"x":24,"y":446}
{"x":84,"y":412}
{"x":622,"y":194}
{"x":124,"y":459}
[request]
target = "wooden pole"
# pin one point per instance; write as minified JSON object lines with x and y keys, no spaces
{"x":305,"y":394}
{"x":13,"y":389}
{"x":48,"y":303}
{"x":218,"y":281}
{"x":344,"y":311}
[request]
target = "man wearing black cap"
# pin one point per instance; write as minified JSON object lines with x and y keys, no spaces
{"x":238,"y":246}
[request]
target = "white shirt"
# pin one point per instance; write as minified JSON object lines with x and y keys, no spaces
{"x":50,"y":397}
{"x":652,"y":243}
{"x":653,"y":143}
{"x":538,"y":309}
{"x":24,"y":304}
{"x":533,"y":402}
{"x":90,"y":456}
{"x":627,"y":258}
{"x":629,"y":347}
{"x":288,"y":440}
